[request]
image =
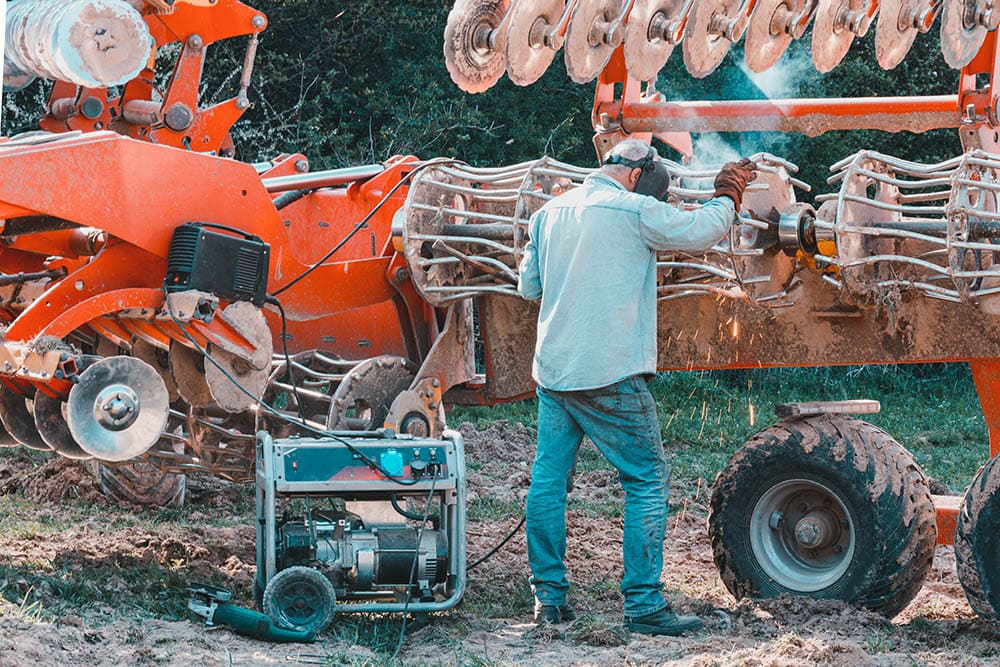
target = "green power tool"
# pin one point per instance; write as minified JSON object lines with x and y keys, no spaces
{"x":212,"y":604}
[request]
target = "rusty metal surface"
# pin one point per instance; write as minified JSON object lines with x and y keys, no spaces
{"x":508,"y":327}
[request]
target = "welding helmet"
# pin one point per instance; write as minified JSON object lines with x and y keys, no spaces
{"x":654,"y":180}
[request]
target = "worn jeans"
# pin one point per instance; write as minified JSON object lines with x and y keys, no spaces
{"x":621,"y":421}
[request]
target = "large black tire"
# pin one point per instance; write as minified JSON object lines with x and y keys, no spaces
{"x":977,"y":549}
{"x":141,"y":483}
{"x":829,"y":507}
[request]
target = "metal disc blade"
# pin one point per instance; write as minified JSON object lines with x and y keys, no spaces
{"x":894,"y":32}
{"x":829,"y":43}
{"x":646,"y":50}
{"x":585,"y":50}
{"x":362,"y":400}
{"x":187,"y":367}
{"x":526,"y":53}
{"x":704,"y":49}
{"x":237,"y":385}
{"x":52,"y":426}
{"x":118,"y":408}
{"x":473,"y":64}
{"x":158,"y":359}
{"x":766,"y":40}
{"x":959,"y":43}
{"x":18,"y":420}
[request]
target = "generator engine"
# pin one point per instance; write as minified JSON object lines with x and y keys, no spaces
{"x":367,"y":522}
{"x":363,"y":560}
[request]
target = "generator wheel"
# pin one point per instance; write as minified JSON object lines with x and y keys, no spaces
{"x":977,"y":550}
{"x":828,"y":507}
{"x":140,"y":482}
{"x":300,"y":598}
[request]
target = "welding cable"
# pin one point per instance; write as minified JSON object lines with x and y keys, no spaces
{"x":364,"y":221}
{"x":500,"y":546}
{"x":270,"y":298}
{"x":409,"y":515}
{"x":413,"y":569}
{"x":323,"y":433}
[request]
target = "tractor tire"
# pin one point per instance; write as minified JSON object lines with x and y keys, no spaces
{"x":139,"y":482}
{"x":977,"y":550}
{"x":828,"y":507}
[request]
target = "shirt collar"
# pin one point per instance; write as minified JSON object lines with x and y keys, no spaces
{"x":605,"y":180}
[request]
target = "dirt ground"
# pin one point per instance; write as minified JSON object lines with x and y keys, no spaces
{"x":492,"y":626}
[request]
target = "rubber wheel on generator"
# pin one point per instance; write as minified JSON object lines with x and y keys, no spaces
{"x":828,"y":507}
{"x":300,"y":598}
{"x":141,"y":483}
{"x":977,"y":549}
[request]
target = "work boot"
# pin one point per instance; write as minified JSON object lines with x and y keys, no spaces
{"x":663,"y":622}
{"x":553,"y":614}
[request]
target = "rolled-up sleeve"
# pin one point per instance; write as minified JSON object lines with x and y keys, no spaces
{"x":666,"y":227}
{"x":529,"y":281}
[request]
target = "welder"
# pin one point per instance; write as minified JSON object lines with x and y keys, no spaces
{"x":591,"y":260}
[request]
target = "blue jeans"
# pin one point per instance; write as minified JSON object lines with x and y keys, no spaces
{"x":621,"y":420}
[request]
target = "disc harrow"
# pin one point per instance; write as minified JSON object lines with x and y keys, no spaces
{"x":485,"y":37}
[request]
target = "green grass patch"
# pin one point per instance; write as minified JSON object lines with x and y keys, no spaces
{"x":931,"y":409}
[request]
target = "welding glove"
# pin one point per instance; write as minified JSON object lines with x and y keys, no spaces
{"x":732,"y":180}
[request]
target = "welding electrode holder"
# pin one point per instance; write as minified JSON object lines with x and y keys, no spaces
{"x":212,"y":604}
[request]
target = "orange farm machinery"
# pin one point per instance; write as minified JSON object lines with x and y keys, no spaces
{"x":163,"y":302}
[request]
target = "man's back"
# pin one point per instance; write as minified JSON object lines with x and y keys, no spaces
{"x":591,"y":259}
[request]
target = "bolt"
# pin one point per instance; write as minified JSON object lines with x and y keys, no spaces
{"x":435,"y":382}
{"x":302,"y":166}
{"x":401,"y":274}
{"x":195,"y":42}
{"x":258,"y":21}
{"x":432,"y":405}
{"x":774,"y":521}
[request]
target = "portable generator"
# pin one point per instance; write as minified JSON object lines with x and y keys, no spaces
{"x":368,"y":522}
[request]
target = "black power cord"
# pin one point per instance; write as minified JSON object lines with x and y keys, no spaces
{"x":364,"y":221}
{"x":413,"y":568}
{"x":500,"y":546}
{"x":323,"y":433}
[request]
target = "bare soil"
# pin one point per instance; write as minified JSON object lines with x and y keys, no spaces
{"x":76,"y":532}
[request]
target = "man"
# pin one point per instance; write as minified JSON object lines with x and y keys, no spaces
{"x":591,"y":259}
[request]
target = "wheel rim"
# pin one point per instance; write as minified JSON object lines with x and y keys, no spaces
{"x":302,"y":603}
{"x":802,"y":535}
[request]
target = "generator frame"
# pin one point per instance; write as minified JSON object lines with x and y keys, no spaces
{"x":362,"y":484}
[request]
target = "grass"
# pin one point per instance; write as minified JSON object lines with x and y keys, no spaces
{"x":931,"y":409}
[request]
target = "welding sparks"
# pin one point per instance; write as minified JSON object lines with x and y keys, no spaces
{"x":736,"y":329}
{"x":752,"y":412}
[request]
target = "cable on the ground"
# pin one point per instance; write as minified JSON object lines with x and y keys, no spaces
{"x":500,"y":546}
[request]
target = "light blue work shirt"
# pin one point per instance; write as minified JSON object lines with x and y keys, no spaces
{"x":591,"y":259}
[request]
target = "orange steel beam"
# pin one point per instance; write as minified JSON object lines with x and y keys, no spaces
{"x":947,"y":508}
{"x":811,"y":117}
{"x":986,"y":375}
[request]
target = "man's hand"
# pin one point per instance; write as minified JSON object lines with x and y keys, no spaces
{"x":732,"y":180}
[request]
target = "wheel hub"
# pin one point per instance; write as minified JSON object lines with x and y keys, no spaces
{"x":817,"y":530}
{"x":116,"y":407}
{"x":802,"y":535}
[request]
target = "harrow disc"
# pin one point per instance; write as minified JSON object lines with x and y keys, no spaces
{"x":960,"y":39}
{"x":362,"y":401}
{"x":647,"y":47}
{"x":473,"y":45}
{"x":118,"y":408}
{"x":159,"y":360}
{"x":249,"y":383}
{"x":894,"y":32}
{"x":527,"y":54}
{"x":830,"y":41}
{"x":187,"y":368}
{"x":767,"y":39}
{"x":17,"y":419}
{"x":704,"y":48}
{"x":587,"y":49}
{"x":52,"y":427}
